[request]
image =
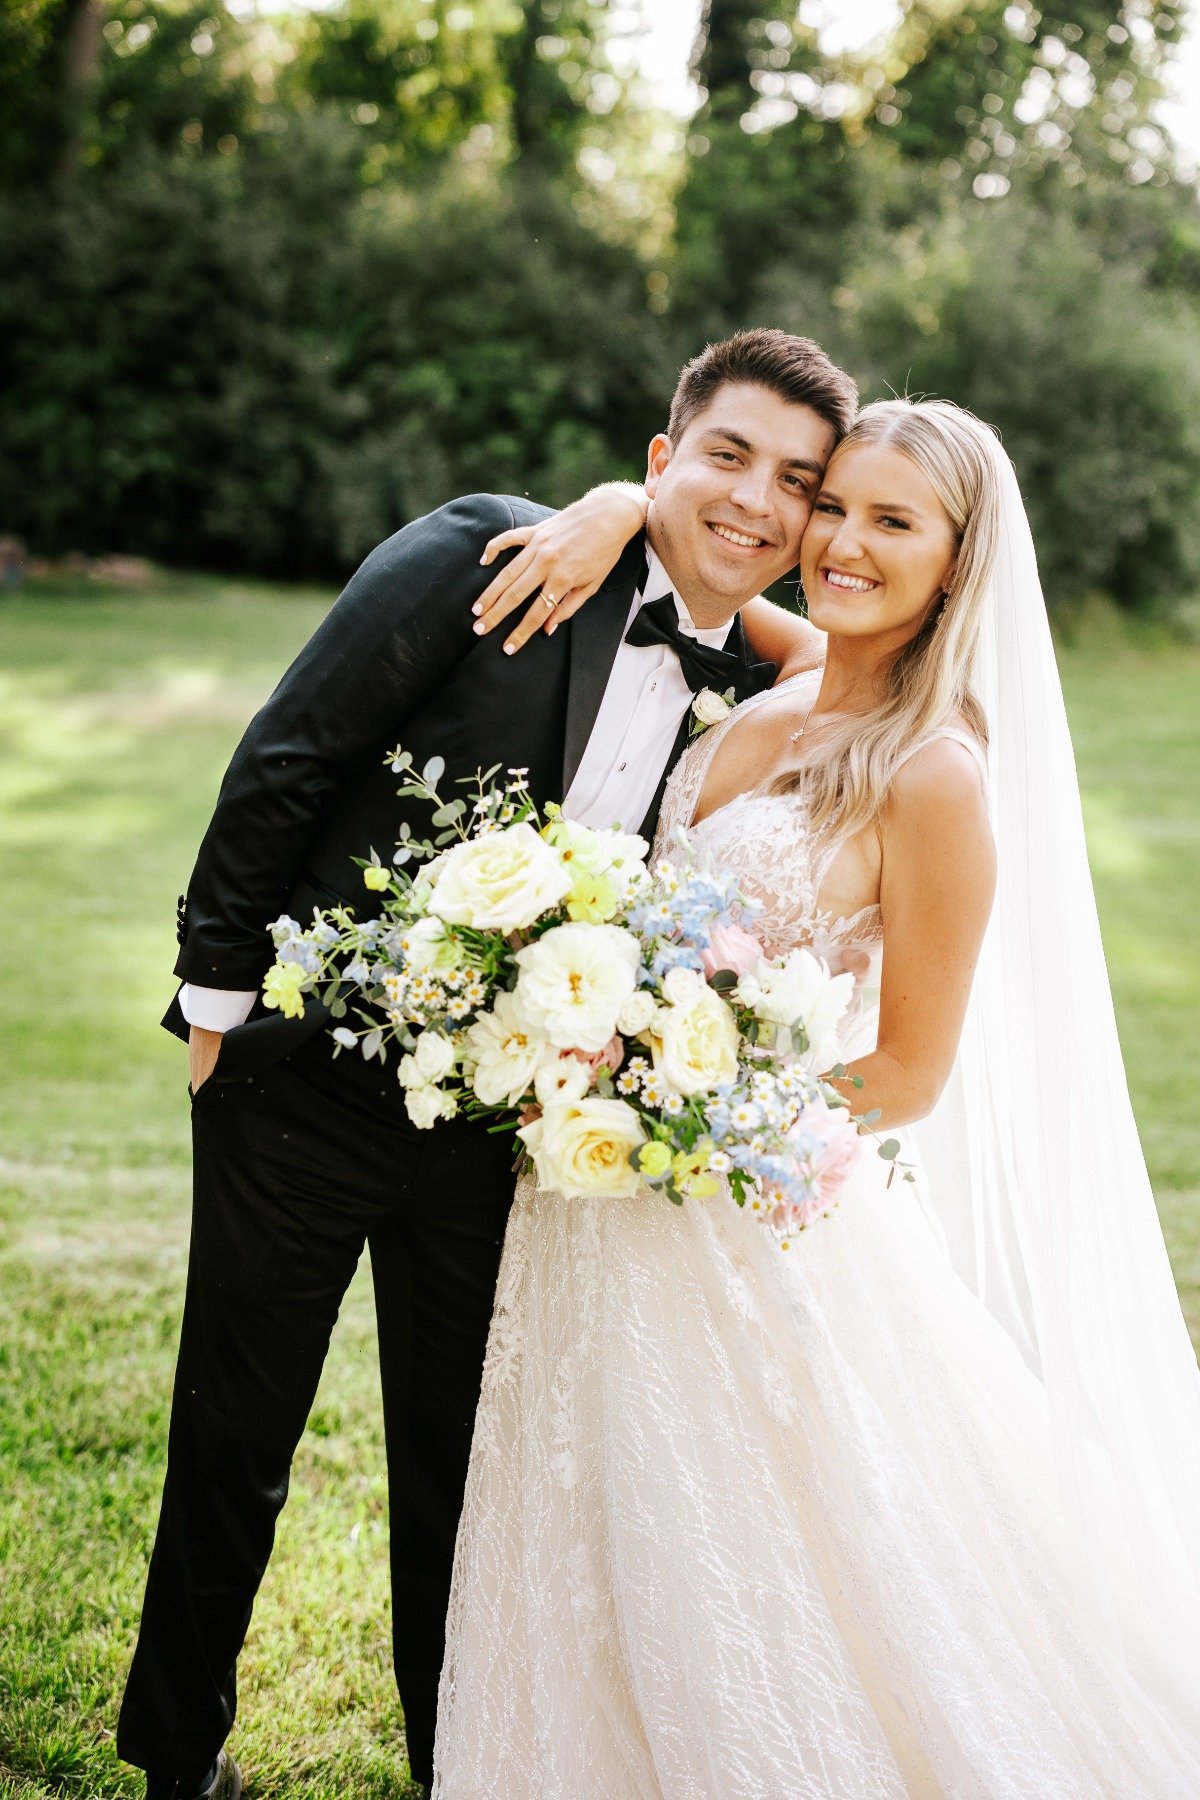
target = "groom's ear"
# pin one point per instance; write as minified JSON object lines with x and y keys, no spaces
{"x":657,"y":459}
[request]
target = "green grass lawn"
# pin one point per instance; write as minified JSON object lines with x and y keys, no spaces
{"x":117,"y":715}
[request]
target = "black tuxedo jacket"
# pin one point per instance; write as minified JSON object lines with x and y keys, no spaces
{"x":394,"y":661}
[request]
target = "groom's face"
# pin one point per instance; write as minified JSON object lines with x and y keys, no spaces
{"x":730,"y":500}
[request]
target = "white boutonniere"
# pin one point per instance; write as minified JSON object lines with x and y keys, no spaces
{"x":709,"y":708}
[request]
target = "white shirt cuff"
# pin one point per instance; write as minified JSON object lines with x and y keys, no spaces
{"x":214,"y":1009}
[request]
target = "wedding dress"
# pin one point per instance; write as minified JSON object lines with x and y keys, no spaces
{"x":753,"y":1524}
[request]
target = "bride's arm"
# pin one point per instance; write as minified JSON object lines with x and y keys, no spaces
{"x":566,"y":556}
{"x":936,"y":889}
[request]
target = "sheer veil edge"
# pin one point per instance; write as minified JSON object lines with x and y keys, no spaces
{"x":1037,"y":1180}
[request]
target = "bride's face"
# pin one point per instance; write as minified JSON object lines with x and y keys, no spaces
{"x":879,"y":549}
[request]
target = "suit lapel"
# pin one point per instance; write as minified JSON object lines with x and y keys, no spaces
{"x":649,"y":824}
{"x":596,"y":634}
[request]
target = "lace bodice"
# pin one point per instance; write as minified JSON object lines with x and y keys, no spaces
{"x":765,"y":840}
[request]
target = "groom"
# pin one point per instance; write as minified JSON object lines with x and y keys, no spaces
{"x":301,"y":1161}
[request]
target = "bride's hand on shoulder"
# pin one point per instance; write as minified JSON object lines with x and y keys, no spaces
{"x":562,"y":560}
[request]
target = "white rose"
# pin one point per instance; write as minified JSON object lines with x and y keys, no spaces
{"x":434,"y":1056}
{"x":638,"y":1012}
{"x":682,"y":985}
{"x":426,"y":1104}
{"x":506,"y":1051}
{"x":710,"y":707}
{"x":584,"y":1146}
{"x":500,"y":882}
{"x":566,"y":1078}
{"x":574,"y":981}
{"x":695,"y":1043}
{"x":800,"y":991}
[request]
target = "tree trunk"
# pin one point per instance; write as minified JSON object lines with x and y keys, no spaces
{"x":80,"y":34}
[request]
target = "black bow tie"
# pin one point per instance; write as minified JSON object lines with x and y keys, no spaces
{"x":703,"y":667}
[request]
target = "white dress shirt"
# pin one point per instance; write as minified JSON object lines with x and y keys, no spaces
{"x":618,"y":774}
{"x":638,"y":721}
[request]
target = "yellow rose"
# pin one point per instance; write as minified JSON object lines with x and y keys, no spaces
{"x":378,"y":879}
{"x":584,"y":1146}
{"x":283,"y":987}
{"x":655,"y":1160}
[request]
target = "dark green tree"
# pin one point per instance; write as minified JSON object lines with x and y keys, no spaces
{"x":771,"y":175}
{"x":991,"y":88}
{"x":49,"y":55}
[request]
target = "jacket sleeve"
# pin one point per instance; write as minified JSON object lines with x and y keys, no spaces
{"x":398,"y":629}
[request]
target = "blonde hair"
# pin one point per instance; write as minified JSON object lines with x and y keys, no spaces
{"x":846,"y":777}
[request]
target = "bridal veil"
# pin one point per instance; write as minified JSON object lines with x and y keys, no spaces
{"x":1038,"y":1180}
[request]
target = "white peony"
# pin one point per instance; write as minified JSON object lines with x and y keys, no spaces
{"x":506,"y":1051}
{"x":565,"y":1078}
{"x":584,"y":1146}
{"x":574,"y":981}
{"x":709,"y":707}
{"x":695,"y":1042}
{"x":502,"y":881}
{"x":638,"y":1013}
{"x":799,"y":991}
{"x":426,"y":1104}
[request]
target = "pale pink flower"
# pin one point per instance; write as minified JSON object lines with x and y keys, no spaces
{"x":612,"y":1055}
{"x":837,"y":1160}
{"x":730,"y":947}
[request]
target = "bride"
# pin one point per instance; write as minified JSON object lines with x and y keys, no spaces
{"x":912,"y":1508}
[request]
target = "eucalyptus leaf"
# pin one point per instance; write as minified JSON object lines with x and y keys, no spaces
{"x":372,"y":1044}
{"x":873,"y":1117}
{"x":337,"y":1009}
{"x":433,"y":771}
{"x":890,"y":1149}
{"x":725,"y":980}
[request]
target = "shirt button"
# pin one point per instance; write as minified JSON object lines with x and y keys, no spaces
{"x":654,"y":687}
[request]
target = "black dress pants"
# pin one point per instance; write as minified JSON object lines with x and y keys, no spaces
{"x":295,"y":1169}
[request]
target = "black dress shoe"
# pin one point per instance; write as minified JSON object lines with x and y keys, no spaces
{"x":223,"y":1782}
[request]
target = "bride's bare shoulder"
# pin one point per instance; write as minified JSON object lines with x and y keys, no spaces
{"x":937,"y":802}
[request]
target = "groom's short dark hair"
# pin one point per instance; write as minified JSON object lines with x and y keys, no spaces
{"x":795,"y":368}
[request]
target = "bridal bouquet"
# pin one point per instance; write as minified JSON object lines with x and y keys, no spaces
{"x":623,"y":1019}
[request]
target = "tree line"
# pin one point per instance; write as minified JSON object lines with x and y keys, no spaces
{"x":272,"y":285}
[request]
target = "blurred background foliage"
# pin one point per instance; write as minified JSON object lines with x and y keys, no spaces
{"x":273,"y":283}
